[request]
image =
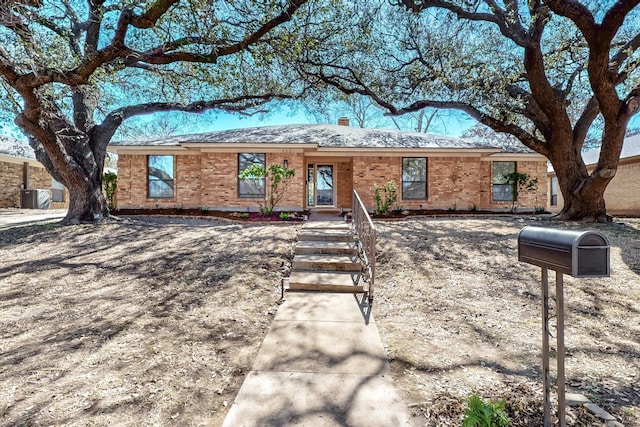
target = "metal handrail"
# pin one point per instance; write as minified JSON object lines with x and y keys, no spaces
{"x":366,"y":232}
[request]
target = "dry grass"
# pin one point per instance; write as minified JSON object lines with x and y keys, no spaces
{"x":156,"y":321}
{"x":459,"y":313}
{"x":141,"y":322}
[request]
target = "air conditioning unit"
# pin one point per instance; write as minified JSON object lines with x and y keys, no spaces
{"x":35,"y":199}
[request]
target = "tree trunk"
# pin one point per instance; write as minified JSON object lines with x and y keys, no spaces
{"x":73,"y":156}
{"x":586,"y":206}
{"x":583,"y":193}
{"x":86,"y":201}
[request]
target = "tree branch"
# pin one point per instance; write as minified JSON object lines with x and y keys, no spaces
{"x":514,"y":31}
{"x":578,"y":13}
{"x":94,"y":22}
{"x":238,"y":104}
{"x":14,"y":23}
{"x":584,"y":122}
{"x":622,"y":55}
{"x":615,"y":16}
{"x":499,"y":126}
{"x":496,"y":124}
{"x":532,"y":110}
{"x":158,"y":55}
{"x":602,"y":77}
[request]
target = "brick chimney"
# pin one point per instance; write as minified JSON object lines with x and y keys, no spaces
{"x":343,"y":121}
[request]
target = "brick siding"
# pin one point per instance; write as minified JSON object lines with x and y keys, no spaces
{"x":205,"y":180}
{"x":452,"y":182}
{"x":210,"y":179}
{"x":534,"y":170}
{"x":344,"y":176}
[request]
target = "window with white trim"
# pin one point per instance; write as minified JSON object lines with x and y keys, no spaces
{"x":554,"y":191}
{"x":160,"y":177}
{"x":251,"y":188}
{"x":501,"y":189}
{"x":414,"y":178}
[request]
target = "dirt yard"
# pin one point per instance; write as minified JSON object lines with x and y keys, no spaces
{"x":143,"y":322}
{"x":458,"y":313}
{"x":156,"y":321}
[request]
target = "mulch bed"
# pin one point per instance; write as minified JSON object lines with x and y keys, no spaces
{"x":234,"y":215}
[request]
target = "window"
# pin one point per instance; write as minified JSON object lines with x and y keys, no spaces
{"x":251,"y":187}
{"x":502,"y":190}
{"x":554,"y":191}
{"x":414,"y":177}
{"x":160,"y":177}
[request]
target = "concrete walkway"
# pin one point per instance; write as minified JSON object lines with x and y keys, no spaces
{"x":321,"y":364}
{"x":13,"y":217}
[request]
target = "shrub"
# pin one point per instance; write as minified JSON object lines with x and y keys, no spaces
{"x":521,"y":183}
{"x":110,"y":183}
{"x":390,"y":197}
{"x":481,"y":414}
{"x":279,"y":178}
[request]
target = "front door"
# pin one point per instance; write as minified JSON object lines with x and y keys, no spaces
{"x":320,"y":185}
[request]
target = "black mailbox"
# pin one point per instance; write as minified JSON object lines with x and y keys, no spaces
{"x":578,"y":253}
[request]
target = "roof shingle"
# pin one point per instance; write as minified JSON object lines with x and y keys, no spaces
{"x":329,"y":136}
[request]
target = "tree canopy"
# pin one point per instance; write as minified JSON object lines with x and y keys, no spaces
{"x":547,"y":72}
{"x":72,"y":71}
{"x":543,"y":71}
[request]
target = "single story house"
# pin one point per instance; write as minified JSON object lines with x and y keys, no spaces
{"x":25,"y":183}
{"x":430,"y":171}
{"x":622,"y":196}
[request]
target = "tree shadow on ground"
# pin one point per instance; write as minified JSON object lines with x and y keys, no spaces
{"x":101,"y":321}
{"x":452,"y":294}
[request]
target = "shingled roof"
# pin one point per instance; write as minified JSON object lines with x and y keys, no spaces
{"x":326,"y":136}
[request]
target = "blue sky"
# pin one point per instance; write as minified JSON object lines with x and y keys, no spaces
{"x":224,"y":121}
{"x":213,"y":121}
{"x":283,"y":116}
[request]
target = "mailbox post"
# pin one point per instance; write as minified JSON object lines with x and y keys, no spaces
{"x":578,"y":253}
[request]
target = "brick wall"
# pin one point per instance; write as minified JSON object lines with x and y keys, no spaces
{"x":293,"y":198}
{"x":11,"y":181}
{"x":210,"y":179}
{"x":371,"y":170}
{"x":622,"y":196}
{"x":453,"y":182}
{"x":344,"y":176}
{"x":457,"y":183}
{"x":188,"y":180}
{"x":539,"y":197}
{"x":203,"y":180}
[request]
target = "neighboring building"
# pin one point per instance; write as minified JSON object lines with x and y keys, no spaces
{"x":21,"y":173}
{"x":431,"y":172}
{"x":622,"y":196}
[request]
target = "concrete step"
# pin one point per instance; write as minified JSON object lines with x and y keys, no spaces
{"x":325,"y":235}
{"x":324,"y":281}
{"x":329,"y":262}
{"x":326,"y":225}
{"x":322,"y":247}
